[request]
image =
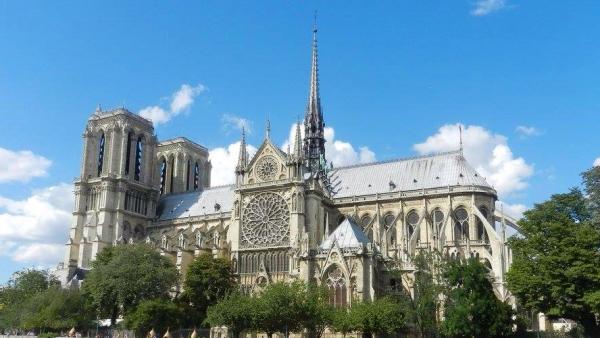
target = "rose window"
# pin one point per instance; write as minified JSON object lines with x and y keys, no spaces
{"x":265,"y":221}
{"x":266,"y":168}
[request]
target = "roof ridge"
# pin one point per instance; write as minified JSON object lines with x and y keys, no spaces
{"x":397,"y":159}
{"x":199,"y":190}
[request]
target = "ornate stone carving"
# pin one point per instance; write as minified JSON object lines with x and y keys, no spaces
{"x":266,"y":221}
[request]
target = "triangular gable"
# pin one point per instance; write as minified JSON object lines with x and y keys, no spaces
{"x":274,"y":150}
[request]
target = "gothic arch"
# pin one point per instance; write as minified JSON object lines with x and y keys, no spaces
{"x":162,"y":174}
{"x":337,"y":284}
{"x":101,"y":151}
{"x":139,"y":153}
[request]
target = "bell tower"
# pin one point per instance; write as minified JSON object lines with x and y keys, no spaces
{"x":114,"y":196}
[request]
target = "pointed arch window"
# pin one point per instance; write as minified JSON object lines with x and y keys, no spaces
{"x":128,"y":153}
{"x":163,"y":175}
{"x":437,"y":217}
{"x":171,"y":173}
{"x":101,"y":153}
{"x":412,"y":219}
{"x":196,"y":176}
{"x":138,"y":159}
{"x":336,"y":283}
{"x":188,"y":174}
{"x":461,"y":224}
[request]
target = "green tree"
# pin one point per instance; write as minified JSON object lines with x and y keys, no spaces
{"x":343,"y":321}
{"x":157,"y":314}
{"x":56,"y":309}
{"x":423,"y":308}
{"x":22,"y":286}
{"x":471,"y":307}
{"x":591,"y":182}
{"x":382,"y":316}
{"x":556,"y":265}
{"x":317,"y":313}
{"x":207,"y":280}
{"x":123,"y":276}
{"x":236,"y":311}
{"x":279,"y":307}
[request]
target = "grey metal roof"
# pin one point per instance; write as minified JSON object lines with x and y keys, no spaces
{"x":346,"y":235}
{"x":196,"y":203}
{"x":431,"y":171}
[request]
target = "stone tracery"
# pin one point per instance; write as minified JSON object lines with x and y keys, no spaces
{"x":265,"y":221}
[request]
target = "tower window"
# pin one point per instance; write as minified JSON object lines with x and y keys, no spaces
{"x":138,"y":159}
{"x":163,"y":176}
{"x":196,"y":176}
{"x":171,"y":170}
{"x":101,"y":154}
{"x":187,"y":180}
{"x":128,"y":153}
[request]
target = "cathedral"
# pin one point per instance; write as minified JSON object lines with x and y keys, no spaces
{"x":290,"y":215}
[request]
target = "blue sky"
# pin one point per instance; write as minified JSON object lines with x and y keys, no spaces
{"x":397,"y":78}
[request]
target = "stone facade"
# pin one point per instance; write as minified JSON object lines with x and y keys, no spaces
{"x":289,"y":215}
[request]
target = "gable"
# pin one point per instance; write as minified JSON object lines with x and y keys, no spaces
{"x":268,"y":164}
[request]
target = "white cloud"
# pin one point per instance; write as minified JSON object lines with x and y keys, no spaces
{"x":39,"y":253}
{"x":525,"y":131}
{"x":224,"y":160}
{"x":34,"y":228}
{"x":231,"y":122}
{"x":489,"y":153}
{"x":21,"y":166}
{"x":597,"y":162}
{"x":340,"y":153}
{"x":485,"y":7}
{"x":513,"y":210}
{"x":181,"y":100}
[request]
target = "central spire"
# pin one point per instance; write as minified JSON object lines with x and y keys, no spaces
{"x":314,"y":126}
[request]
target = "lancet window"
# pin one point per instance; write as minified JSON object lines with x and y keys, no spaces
{"x":101,"y":153}
{"x":128,"y":153}
{"x":163,"y":176}
{"x":196,"y":176}
{"x":138,"y":159}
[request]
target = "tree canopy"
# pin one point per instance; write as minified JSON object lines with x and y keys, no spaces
{"x":22,"y":286}
{"x":471,"y":307}
{"x":207,"y":281}
{"x":125,"y":275}
{"x":556,"y":260}
{"x":157,"y":314}
{"x":235,"y":311}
